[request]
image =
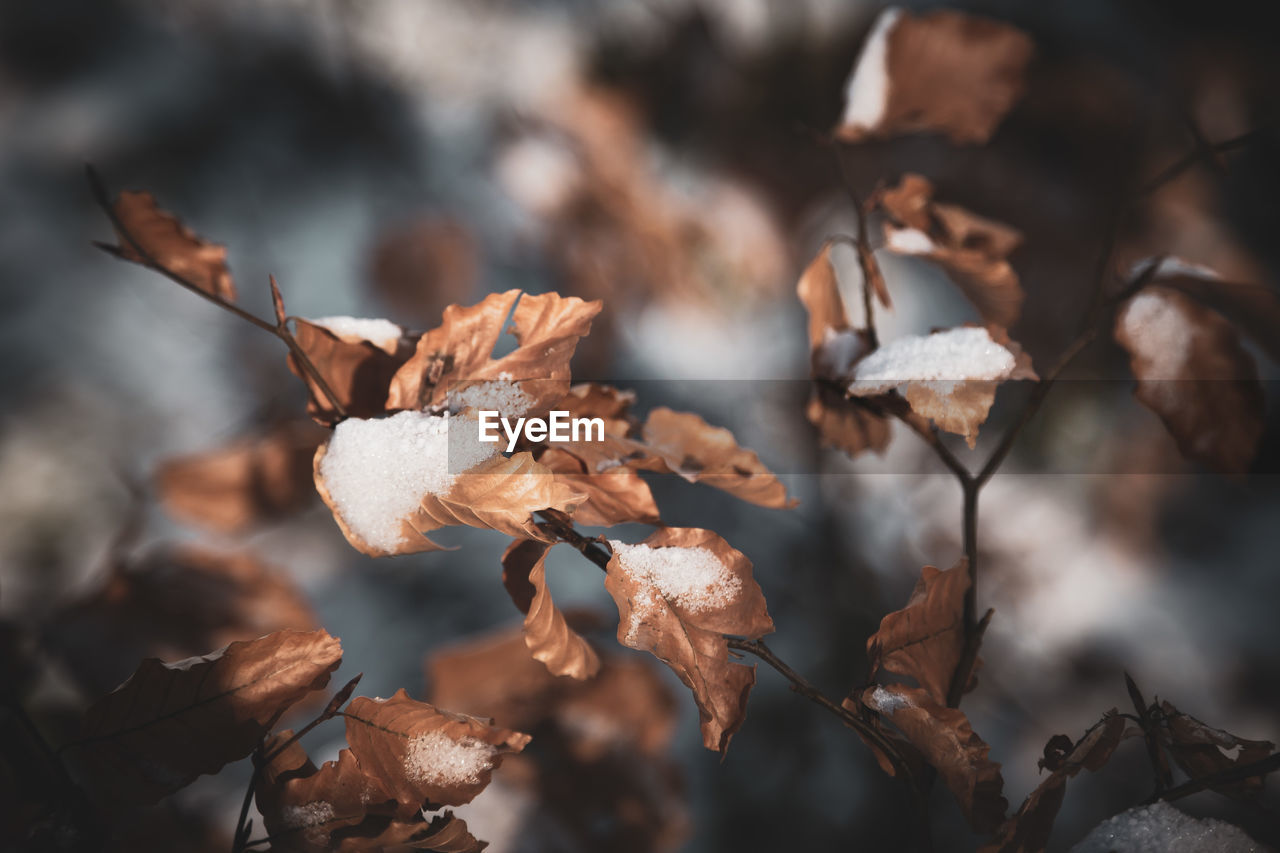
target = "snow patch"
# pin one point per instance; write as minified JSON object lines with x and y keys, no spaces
{"x":909,"y":241}
{"x":693,"y":579}
{"x":437,"y":759}
{"x":377,"y":471}
{"x":1160,"y":332}
{"x":1161,"y":828}
{"x":383,"y":334}
{"x":956,"y":355}
{"x":887,"y":702}
{"x":307,"y":815}
{"x":867,"y":90}
{"x":501,"y":395}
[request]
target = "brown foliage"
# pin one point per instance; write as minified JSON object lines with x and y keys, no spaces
{"x":357,"y":370}
{"x":160,"y":239}
{"x":1201,"y":750}
{"x":925,"y":639}
{"x":546,"y":633}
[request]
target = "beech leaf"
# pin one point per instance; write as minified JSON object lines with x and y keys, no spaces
{"x":547,"y":634}
{"x":678,"y":593}
{"x":168,"y":243}
{"x":1201,"y":750}
{"x":925,"y":639}
{"x":1251,"y":307}
{"x":945,"y":739}
{"x":943,"y":71}
{"x":1193,"y":372}
{"x":616,"y":495}
{"x":357,"y":357}
{"x":171,"y":722}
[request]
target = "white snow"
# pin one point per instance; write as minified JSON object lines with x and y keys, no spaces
{"x":437,"y":759}
{"x":867,"y":90}
{"x":501,"y":395}
{"x":381,"y":333}
{"x":1159,"y":332}
{"x":955,"y":355}
{"x":377,"y":471}
{"x":307,"y":815}
{"x":1161,"y":828}
{"x":909,"y":241}
{"x":693,"y":579}
{"x":886,"y":702}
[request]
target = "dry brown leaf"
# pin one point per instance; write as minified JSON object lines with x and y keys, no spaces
{"x":234,"y":487}
{"x":687,"y":445}
{"x":925,"y":639}
{"x":458,"y":353}
{"x":168,"y":243}
{"x":1253,"y":308}
{"x":943,"y":71}
{"x":175,"y":603}
{"x":973,"y":250}
{"x":358,"y":370}
{"x":616,"y":495}
{"x":1027,"y":831}
{"x":1201,"y":750}
{"x":846,"y":424}
{"x":949,"y":377}
{"x":423,"y":266}
{"x":1193,"y":372}
{"x":820,"y":294}
{"x":170,"y":723}
{"x":423,"y":756}
{"x":945,"y":739}
{"x":678,"y":593}
{"x":547,"y":634}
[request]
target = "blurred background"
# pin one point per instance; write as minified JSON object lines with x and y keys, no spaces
{"x":385,"y":158}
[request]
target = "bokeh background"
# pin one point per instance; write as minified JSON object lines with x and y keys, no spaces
{"x":385,"y":158}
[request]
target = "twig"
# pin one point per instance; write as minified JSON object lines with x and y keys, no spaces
{"x":866,"y":259}
{"x":1236,"y":773}
{"x":1200,"y":152}
{"x":1159,"y":767}
{"x":280,"y":329}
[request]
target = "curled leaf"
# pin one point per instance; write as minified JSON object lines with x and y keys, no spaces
{"x":357,"y":358}
{"x":1251,"y":307}
{"x":678,"y":593}
{"x":925,"y":639}
{"x":547,"y":634}
{"x":943,"y":71}
{"x":1202,"y":750}
{"x":1193,"y":372}
{"x":616,"y":495}
{"x":973,"y":250}
{"x":137,"y":743}
{"x":159,"y":237}
{"x":945,"y":739}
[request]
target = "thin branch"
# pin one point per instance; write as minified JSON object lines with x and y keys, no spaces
{"x":862,"y":246}
{"x":1201,"y":152}
{"x":1236,"y":773}
{"x":280,"y":329}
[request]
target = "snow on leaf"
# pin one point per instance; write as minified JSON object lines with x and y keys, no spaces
{"x":1028,"y":830}
{"x":678,"y":593}
{"x":547,"y":634}
{"x":945,"y":739}
{"x":925,"y":639}
{"x":943,"y":71}
{"x":164,"y":240}
{"x":137,"y":744}
{"x":973,"y":250}
{"x":1193,"y":372}
{"x":949,"y":376}
{"x":425,"y":756}
{"x":1252,"y":307}
{"x":357,"y":368}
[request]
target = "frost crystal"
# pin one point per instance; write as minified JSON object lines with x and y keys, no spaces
{"x":381,"y":333}
{"x":308,"y":815}
{"x":691,"y":578}
{"x":886,"y":703}
{"x":1160,"y":828}
{"x":1160,"y":333}
{"x":867,"y":92}
{"x":955,"y":355}
{"x":437,"y":759}
{"x":377,"y":471}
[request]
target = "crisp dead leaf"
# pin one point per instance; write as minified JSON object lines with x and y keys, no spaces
{"x":949,"y":377}
{"x":458,"y":353}
{"x":253,"y":480}
{"x":1201,"y":750}
{"x":846,"y":424}
{"x":678,"y":593}
{"x":943,"y":71}
{"x":820,"y":294}
{"x":945,"y":739}
{"x":170,"y":723}
{"x":700,"y":453}
{"x":1028,"y":830}
{"x":547,"y":634}
{"x":925,"y":639}
{"x":1193,"y":372}
{"x":158,"y":237}
{"x":616,"y":495}
{"x":356,"y":357}
{"x":973,"y":250}
{"x":425,"y":756}
{"x":1253,"y":308}
{"x":174,"y":603}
